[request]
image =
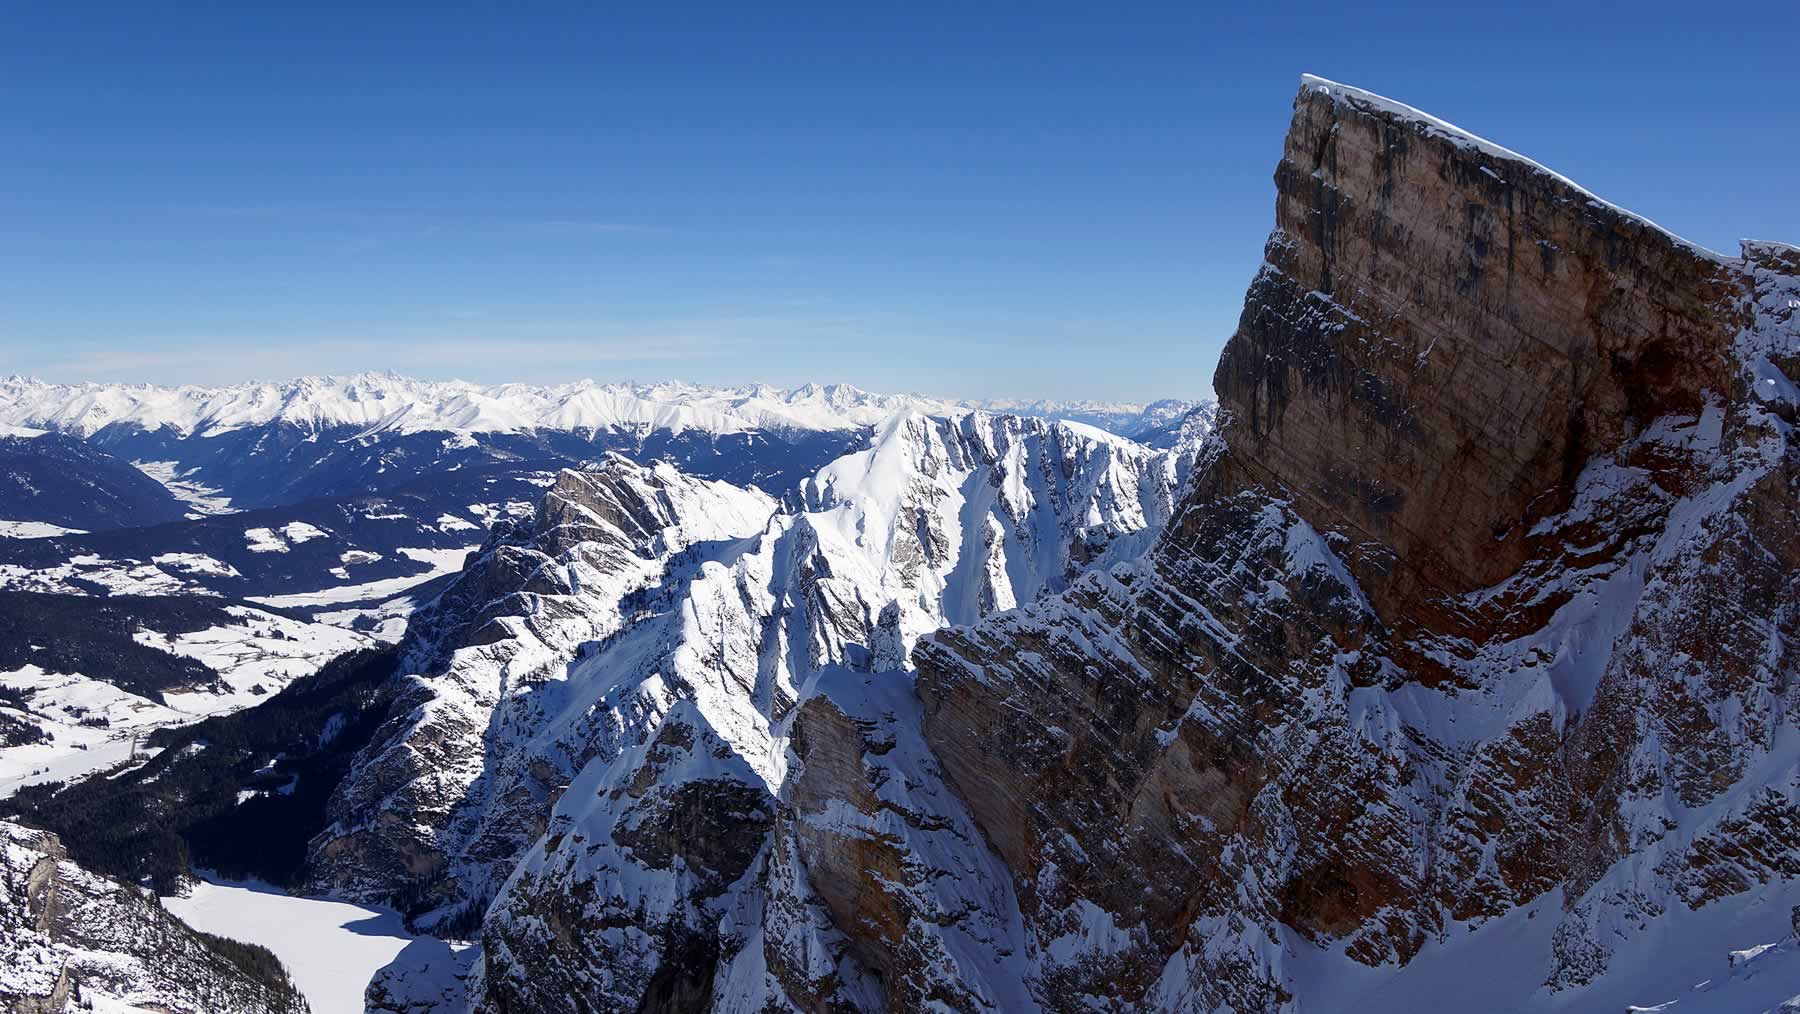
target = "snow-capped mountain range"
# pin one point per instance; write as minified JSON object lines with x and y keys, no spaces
{"x":1417,"y":678}
{"x":387,"y":403}
{"x":930,"y":519}
{"x":247,"y":446}
{"x":1463,"y":636}
{"x":636,"y":590}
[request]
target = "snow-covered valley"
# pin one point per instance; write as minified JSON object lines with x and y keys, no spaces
{"x":332,"y":948}
{"x":936,"y":519}
{"x":1450,"y":661}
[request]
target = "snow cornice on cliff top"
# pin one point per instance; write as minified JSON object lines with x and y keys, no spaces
{"x":1431,"y":126}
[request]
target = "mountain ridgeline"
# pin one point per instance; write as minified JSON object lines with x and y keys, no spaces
{"x":639,"y":597}
{"x":1461,"y":633}
{"x":1473,"y":622}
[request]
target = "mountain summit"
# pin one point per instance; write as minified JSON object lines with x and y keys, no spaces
{"x":1461,"y":634}
{"x":1473,"y":627}
{"x":368,"y":404}
{"x":1475,"y":634}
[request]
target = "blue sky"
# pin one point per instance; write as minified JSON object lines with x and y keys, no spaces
{"x":958,"y":199}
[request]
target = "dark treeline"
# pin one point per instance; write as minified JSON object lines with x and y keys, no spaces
{"x":94,"y":636}
{"x":180,"y":809}
{"x":255,"y":961}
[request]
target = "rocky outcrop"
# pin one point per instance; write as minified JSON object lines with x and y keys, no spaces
{"x":1468,"y":636}
{"x":1444,"y":334}
{"x":502,"y":698}
{"x":638,"y":592}
{"x":1482,"y":601}
{"x":717,"y":852}
{"x":68,"y":936}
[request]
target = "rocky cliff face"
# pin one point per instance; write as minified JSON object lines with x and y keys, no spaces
{"x":503,"y":703}
{"x":1469,"y":642}
{"x":71,"y":938}
{"x":1444,"y":334}
{"x":643,"y":615}
{"x":1483,"y":604}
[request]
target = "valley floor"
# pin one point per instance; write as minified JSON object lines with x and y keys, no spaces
{"x":331,"y":948}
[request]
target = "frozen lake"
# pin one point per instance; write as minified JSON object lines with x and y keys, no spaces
{"x":332,"y":948}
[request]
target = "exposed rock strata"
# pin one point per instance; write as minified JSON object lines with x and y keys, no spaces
{"x":728,"y":859}
{"x":571,"y":641}
{"x":1477,"y":622}
{"x":1486,"y":598}
{"x":69,"y":937}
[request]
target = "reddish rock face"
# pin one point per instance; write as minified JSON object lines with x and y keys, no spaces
{"x":1483,"y":600}
{"x":1442,"y":337}
{"x":1486,"y":587}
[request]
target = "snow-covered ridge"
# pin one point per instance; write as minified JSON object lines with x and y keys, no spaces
{"x":636,"y":588}
{"x":1435,"y":127}
{"x":386,"y":403}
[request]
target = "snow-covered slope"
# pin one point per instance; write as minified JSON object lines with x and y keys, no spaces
{"x":331,"y":948}
{"x":1462,"y":676}
{"x":51,"y":481}
{"x":86,"y":681}
{"x":566,"y":644}
{"x":72,"y":940}
{"x":318,"y":556}
{"x":789,"y":677}
{"x":1465,"y":677}
{"x":246,"y":446}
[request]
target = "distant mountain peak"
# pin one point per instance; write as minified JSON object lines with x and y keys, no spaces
{"x":388,"y":402}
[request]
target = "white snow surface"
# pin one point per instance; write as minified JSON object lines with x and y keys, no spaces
{"x":254,"y":658}
{"x":726,"y":614}
{"x":1736,"y":956}
{"x":439,"y":562}
{"x":387,"y":403}
{"x":331,"y":948}
{"x":201,"y":499}
{"x":35,"y":530}
{"x":118,"y":577}
{"x":266,"y":651}
{"x":58,"y":702}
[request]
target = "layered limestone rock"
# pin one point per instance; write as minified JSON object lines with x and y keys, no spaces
{"x":70,"y":938}
{"x":640,"y":602}
{"x":1443,"y":334}
{"x":1470,"y":638}
{"x":728,"y":860}
{"x":1484,"y":601}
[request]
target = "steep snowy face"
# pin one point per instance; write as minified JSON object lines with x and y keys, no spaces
{"x":954,"y":519}
{"x":1473,"y":638}
{"x":71,"y":938}
{"x":635,"y":587}
{"x":506,"y":701}
{"x":595,"y":680}
{"x":725,"y":857}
